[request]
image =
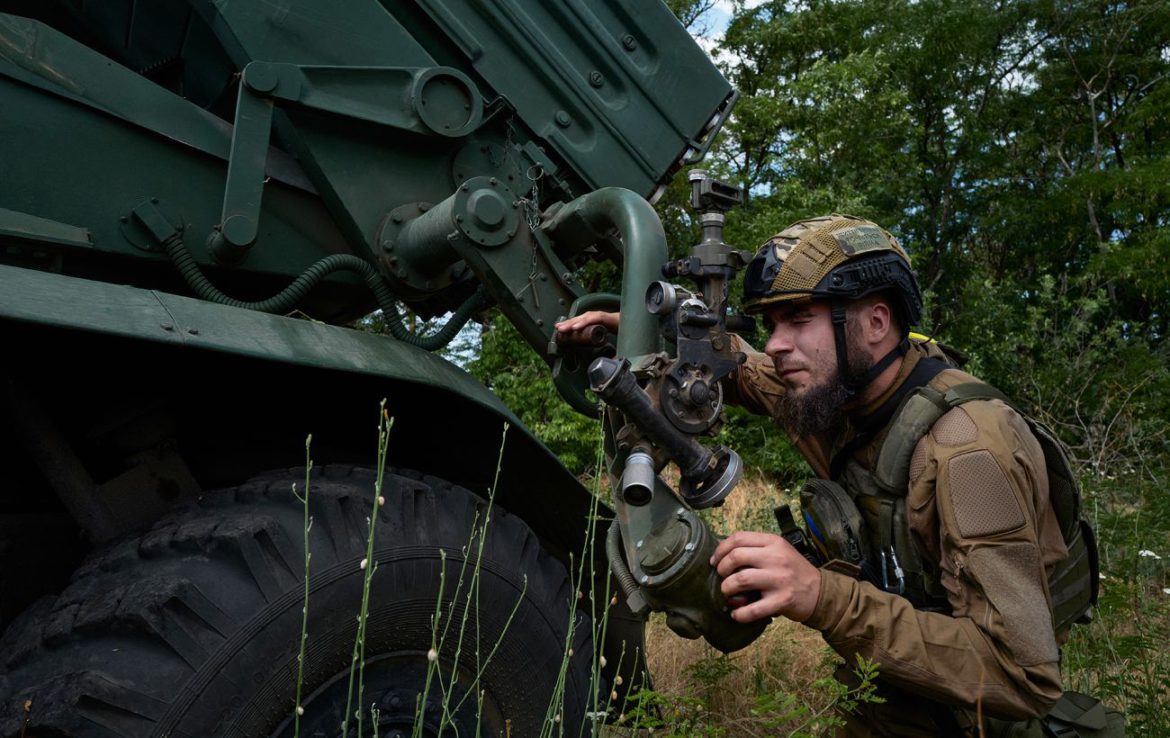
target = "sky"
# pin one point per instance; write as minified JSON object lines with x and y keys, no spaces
{"x":714,"y":22}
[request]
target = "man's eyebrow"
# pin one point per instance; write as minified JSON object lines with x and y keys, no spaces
{"x":795,"y":312}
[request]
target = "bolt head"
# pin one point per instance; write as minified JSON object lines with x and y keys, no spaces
{"x":261,"y":78}
{"x":487,"y":209}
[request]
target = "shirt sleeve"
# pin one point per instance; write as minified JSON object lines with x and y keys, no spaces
{"x":755,"y":384}
{"x":977,"y":501}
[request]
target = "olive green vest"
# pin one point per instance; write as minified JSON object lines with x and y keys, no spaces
{"x":892,"y":561}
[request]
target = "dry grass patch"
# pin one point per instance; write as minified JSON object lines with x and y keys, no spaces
{"x":788,"y":659}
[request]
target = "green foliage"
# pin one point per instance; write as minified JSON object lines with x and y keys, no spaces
{"x":696,"y":712}
{"x":522,"y":380}
{"x":671,"y":716}
{"x":1060,"y":350}
{"x":996,"y":139}
{"x":1121,"y":656}
{"x":763,"y":446}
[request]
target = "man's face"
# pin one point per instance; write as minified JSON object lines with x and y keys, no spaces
{"x":803,"y":349}
{"x":802,"y":344}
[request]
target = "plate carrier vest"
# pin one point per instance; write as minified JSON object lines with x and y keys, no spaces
{"x":864,"y":530}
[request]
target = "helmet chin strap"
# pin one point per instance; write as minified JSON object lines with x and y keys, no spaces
{"x":855,"y":385}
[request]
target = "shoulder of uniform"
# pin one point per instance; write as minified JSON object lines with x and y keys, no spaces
{"x":951,"y":377}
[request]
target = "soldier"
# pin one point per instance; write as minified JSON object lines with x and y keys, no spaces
{"x":941,"y":526}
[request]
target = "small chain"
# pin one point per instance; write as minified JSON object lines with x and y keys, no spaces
{"x":534,"y":174}
{"x":531,"y":210}
{"x":532,"y":215}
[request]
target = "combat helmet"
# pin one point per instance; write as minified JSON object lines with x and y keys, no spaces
{"x":838,"y":258}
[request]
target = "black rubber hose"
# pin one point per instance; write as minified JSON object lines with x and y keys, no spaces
{"x":284,"y":300}
{"x":617,"y":561}
{"x":437,"y":340}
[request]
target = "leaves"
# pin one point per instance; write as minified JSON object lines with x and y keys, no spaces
{"x":522,"y":380}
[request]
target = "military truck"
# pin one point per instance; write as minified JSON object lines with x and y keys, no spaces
{"x":198,"y":199}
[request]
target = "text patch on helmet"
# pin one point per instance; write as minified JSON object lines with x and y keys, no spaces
{"x":859,"y":239}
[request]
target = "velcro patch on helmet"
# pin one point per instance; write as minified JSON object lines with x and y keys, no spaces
{"x":859,"y":239}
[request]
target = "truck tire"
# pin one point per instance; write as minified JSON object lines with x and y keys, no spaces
{"x":192,"y":629}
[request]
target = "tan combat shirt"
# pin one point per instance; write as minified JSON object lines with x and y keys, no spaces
{"x":978,"y":508}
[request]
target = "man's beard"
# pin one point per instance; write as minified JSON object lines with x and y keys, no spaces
{"x":815,"y":410}
{"x":820,"y":407}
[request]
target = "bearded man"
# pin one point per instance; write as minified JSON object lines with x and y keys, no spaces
{"x":951,"y":554}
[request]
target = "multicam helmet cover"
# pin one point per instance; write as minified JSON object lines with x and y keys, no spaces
{"x":833,"y":256}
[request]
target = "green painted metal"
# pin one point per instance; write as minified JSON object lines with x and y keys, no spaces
{"x":36,"y":297}
{"x":450,"y":145}
{"x":25,"y":228}
{"x":643,"y":244}
{"x":617,"y":88}
{"x":572,"y":96}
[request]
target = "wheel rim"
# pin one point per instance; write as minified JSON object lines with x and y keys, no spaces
{"x":393,"y":684}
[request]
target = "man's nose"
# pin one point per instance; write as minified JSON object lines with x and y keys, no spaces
{"x":780,"y":342}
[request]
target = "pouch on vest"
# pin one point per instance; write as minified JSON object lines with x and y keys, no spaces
{"x":1075,"y":715}
{"x":835,"y":525}
{"x":1081,"y":716}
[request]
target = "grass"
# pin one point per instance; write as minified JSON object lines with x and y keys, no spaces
{"x":442,"y":622}
{"x":1121,"y":657}
{"x":781,"y":685}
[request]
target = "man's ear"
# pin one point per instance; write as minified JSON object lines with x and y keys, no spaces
{"x":878,"y":321}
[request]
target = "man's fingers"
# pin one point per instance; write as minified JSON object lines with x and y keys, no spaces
{"x":764,"y":607}
{"x":744,"y":580}
{"x":745,"y":556}
{"x":740,"y":540}
{"x":593,"y":317}
{"x":737,"y":601}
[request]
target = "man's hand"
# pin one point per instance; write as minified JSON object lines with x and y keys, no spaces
{"x":574,"y":329}
{"x":761,"y":562}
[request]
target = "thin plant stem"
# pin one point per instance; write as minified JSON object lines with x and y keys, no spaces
{"x":496,"y":646}
{"x":299,"y":709}
{"x":473,"y":587}
{"x":599,"y":629}
{"x":357,"y":664}
{"x":433,"y":654}
{"x":445,"y":689}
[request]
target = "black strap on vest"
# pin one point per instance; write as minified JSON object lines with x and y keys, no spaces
{"x":926,"y":369}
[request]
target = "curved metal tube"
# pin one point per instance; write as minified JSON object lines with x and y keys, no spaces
{"x":594,"y":216}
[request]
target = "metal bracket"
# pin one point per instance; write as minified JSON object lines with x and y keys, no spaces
{"x":443,"y":102}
